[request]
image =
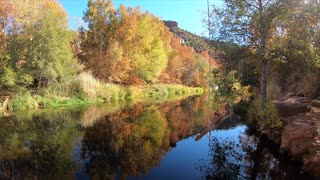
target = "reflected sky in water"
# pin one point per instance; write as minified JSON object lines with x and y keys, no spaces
{"x":183,"y":161}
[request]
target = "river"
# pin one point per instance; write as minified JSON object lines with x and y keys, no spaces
{"x":160,"y":140}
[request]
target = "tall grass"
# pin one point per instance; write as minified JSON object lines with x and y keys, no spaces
{"x":88,"y":90}
{"x":93,"y":88}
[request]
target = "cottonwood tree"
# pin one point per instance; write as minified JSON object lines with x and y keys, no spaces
{"x":250,"y":23}
{"x":38,"y":45}
{"x":99,"y":16}
{"x":124,"y":45}
{"x":6,"y":75}
{"x":297,"y":39}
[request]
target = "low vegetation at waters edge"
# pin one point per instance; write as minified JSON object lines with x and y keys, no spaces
{"x":266,"y":118}
{"x":88,"y":90}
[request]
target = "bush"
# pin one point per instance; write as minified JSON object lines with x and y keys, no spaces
{"x":89,"y":85}
{"x":8,"y":78}
{"x":267,"y":118}
{"x":23,"y":101}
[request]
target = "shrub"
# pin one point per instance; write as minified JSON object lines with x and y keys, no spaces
{"x":89,"y":85}
{"x":267,"y":118}
{"x":23,"y":101}
{"x":8,"y":78}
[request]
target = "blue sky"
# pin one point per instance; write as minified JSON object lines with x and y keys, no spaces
{"x":188,"y":13}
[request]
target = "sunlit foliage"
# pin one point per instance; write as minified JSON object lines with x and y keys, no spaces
{"x":37,"y":45}
{"x":124,"y":46}
{"x":185,"y":66}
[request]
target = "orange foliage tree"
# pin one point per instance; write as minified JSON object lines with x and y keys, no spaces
{"x":126,"y":46}
{"x":185,"y":66}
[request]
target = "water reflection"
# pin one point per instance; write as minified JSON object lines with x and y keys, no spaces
{"x":131,"y":145}
{"x":38,"y":144}
{"x":134,"y":140}
{"x":127,"y":140}
{"x":242,"y":155}
{"x":227,"y":156}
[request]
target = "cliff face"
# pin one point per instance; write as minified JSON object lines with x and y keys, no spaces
{"x":197,"y":42}
{"x":171,"y":24}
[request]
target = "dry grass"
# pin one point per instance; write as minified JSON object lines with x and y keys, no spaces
{"x":93,"y":88}
{"x":86,"y":89}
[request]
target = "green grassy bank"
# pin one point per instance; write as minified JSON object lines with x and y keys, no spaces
{"x":87,"y":90}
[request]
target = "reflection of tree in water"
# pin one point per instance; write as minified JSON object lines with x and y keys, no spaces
{"x":243,"y":158}
{"x":127,"y":142}
{"x":268,"y":162}
{"x":247,"y":157}
{"x":122,"y":145}
{"x":185,"y":118}
{"x":131,"y":142}
{"x":38,"y":145}
{"x":227,"y":160}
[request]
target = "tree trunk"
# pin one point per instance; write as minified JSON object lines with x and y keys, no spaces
{"x":264,"y":69}
{"x":100,"y":38}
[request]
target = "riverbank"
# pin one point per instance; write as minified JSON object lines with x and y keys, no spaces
{"x":97,"y":93}
{"x":299,"y":135}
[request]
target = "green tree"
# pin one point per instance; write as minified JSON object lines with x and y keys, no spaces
{"x":151,"y":45}
{"x":296,"y":47}
{"x":52,"y":60}
{"x":250,"y":23}
{"x":38,"y":45}
{"x":7,"y":77}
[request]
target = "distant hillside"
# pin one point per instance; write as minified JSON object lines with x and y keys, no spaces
{"x":197,"y":42}
{"x":228,"y":54}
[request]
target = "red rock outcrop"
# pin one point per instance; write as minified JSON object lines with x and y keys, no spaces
{"x":300,"y":135}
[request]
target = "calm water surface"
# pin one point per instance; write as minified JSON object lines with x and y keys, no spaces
{"x":169,"y":140}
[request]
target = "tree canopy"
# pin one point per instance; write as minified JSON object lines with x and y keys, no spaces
{"x":124,"y":45}
{"x":272,"y":31}
{"x":37,"y":44}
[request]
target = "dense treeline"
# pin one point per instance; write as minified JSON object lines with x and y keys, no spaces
{"x":39,"y":55}
{"x":126,"y":46}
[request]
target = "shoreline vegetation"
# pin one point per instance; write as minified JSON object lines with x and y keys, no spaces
{"x":131,"y":56}
{"x":88,"y":90}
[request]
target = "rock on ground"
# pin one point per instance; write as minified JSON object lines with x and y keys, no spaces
{"x":300,"y":135}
